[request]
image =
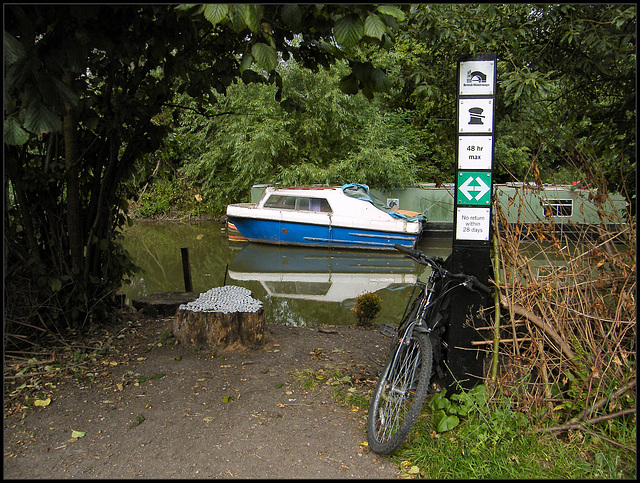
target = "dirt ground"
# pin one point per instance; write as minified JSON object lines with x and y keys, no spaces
{"x":151,"y":408}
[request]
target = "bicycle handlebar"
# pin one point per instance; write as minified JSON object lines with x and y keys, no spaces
{"x":436,"y":262}
{"x":419,"y":256}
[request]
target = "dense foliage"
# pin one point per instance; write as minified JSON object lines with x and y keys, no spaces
{"x":84,"y":90}
{"x":103,"y":103}
{"x":566,"y":85}
{"x":246,"y":138}
{"x":566,"y":107}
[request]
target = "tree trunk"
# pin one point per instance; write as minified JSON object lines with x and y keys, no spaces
{"x":219,"y":329}
{"x":73,"y":185}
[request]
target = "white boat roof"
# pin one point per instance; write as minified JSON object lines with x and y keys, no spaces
{"x":337,"y":199}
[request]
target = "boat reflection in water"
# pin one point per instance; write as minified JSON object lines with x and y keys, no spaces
{"x":323,"y":275}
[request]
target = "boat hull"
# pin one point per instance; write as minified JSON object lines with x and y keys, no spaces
{"x":280,"y":232}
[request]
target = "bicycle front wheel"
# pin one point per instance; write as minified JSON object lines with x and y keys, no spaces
{"x":400,"y":393}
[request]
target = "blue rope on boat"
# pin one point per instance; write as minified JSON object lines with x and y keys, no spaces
{"x":356,"y":186}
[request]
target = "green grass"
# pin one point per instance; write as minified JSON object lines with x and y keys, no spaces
{"x":494,"y":441}
{"x":469,"y":436}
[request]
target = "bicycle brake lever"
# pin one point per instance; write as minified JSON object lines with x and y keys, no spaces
{"x":470,"y":284}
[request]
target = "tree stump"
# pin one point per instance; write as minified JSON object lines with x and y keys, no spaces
{"x":163,"y":304}
{"x":223,"y":317}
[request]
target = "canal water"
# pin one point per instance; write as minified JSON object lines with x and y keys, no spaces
{"x":298,"y":286}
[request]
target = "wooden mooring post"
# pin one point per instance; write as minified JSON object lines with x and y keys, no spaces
{"x":186,"y":270}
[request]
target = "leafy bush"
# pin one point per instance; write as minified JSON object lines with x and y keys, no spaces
{"x":172,"y":198}
{"x":366,"y":309}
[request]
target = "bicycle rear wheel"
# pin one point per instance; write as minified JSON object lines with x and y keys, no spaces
{"x":400,"y":393}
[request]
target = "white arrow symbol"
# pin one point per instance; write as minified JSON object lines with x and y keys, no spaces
{"x":466,"y":190}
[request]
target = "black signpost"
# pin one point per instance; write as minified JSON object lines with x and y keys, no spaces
{"x":471,"y":248}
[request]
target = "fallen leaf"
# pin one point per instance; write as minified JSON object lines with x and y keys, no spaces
{"x":42,"y":402}
{"x":139,"y":419}
{"x":78,"y":434}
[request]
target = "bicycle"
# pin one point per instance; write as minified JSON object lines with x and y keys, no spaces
{"x":416,"y":343}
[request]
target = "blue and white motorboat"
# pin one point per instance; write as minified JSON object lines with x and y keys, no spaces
{"x":340,"y":217}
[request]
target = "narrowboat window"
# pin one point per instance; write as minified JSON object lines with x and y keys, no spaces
{"x":562,"y":208}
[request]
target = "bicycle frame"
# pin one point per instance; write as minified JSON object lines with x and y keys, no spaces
{"x":426,"y":299}
{"x":416,"y":354}
{"x":430,"y":298}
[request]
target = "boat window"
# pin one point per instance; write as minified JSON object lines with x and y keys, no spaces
{"x":281,"y":202}
{"x":319,"y":204}
{"x":298,"y":203}
{"x":562,"y":208}
{"x":302,"y":204}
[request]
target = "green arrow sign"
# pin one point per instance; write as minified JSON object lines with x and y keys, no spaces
{"x":474,"y":188}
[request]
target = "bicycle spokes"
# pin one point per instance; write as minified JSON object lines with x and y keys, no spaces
{"x":398,"y":390}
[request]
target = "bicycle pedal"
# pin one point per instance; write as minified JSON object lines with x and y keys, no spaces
{"x":388,"y":330}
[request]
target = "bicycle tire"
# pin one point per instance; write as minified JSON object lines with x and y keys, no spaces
{"x":399,"y":394}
